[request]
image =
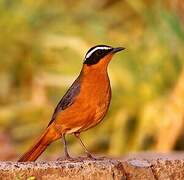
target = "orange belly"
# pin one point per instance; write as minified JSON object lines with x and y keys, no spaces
{"x":89,"y":107}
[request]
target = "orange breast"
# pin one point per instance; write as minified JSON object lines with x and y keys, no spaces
{"x":97,"y":95}
{"x":89,"y":107}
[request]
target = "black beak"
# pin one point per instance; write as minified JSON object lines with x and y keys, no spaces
{"x":115,"y":50}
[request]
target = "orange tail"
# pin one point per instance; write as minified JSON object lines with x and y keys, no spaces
{"x":35,"y":151}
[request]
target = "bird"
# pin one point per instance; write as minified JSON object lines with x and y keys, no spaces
{"x":83,"y":106}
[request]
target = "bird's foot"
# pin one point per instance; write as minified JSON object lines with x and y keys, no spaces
{"x":89,"y":157}
{"x":66,"y":158}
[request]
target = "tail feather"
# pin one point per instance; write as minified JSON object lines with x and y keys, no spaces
{"x":36,"y":150}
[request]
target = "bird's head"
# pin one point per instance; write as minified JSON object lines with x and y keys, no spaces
{"x":100,"y":55}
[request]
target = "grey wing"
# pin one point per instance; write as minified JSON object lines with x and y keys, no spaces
{"x":68,"y":99}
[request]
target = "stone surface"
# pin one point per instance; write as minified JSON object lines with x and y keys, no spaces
{"x":132,"y":168}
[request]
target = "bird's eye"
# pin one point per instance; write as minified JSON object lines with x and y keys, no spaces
{"x":98,"y":53}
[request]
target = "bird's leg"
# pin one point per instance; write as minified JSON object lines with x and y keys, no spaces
{"x":89,"y":155}
{"x":65,"y":147}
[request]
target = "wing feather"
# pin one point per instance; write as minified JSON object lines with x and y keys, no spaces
{"x":68,"y":99}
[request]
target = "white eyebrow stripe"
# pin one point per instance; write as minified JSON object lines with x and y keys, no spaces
{"x":92,"y":51}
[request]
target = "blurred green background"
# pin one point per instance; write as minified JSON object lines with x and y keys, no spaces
{"x":42,"y":46}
